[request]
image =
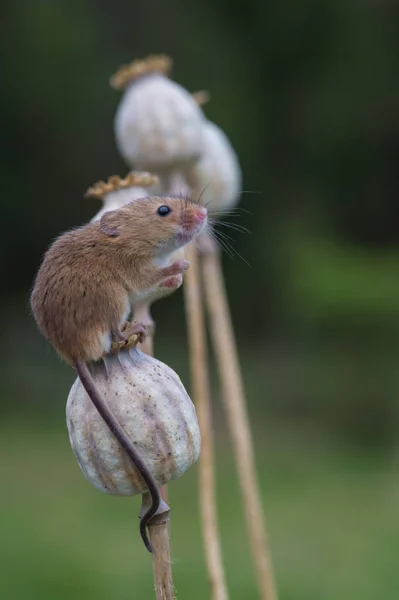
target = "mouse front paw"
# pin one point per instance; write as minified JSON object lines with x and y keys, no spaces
{"x":176,"y":268}
{"x":172,"y":283}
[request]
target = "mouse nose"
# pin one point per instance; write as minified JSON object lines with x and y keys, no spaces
{"x":201,"y":213}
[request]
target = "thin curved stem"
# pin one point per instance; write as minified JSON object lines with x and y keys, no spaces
{"x":235,"y":407}
{"x":201,"y":395}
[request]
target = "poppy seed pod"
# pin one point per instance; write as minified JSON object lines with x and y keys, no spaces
{"x":117,"y":192}
{"x":158,"y":125}
{"x":151,"y":404}
{"x":216,"y":176}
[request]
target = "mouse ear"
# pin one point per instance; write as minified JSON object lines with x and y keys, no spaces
{"x":107,"y":225}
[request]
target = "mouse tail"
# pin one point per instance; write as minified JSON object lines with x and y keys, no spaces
{"x":126,"y":443}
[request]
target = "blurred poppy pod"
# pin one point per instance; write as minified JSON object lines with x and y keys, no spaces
{"x":158,"y":125}
{"x":216,"y":176}
{"x":151,"y":404}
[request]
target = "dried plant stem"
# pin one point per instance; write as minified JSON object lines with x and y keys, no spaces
{"x":237,"y":417}
{"x":201,"y":395}
{"x":158,"y":528}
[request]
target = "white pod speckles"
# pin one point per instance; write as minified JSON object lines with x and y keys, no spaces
{"x":153,"y":407}
{"x":158,"y":125}
{"x":216,"y":176}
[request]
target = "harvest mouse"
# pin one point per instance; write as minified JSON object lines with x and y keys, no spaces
{"x":92,"y":276}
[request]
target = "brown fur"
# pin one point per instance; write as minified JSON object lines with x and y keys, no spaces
{"x":91,"y":276}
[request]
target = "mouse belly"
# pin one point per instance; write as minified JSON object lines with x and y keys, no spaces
{"x":142,"y":295}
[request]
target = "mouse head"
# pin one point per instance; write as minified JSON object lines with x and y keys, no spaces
{"x":156,"y":226}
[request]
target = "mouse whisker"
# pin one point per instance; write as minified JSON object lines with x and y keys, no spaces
{"x":234,"y":226}
{"x":222,"y":243}
{"x":198,"y":201}
{"x":224,"y":240}
{"x":254,"y":192}
{"x":233,"y":212}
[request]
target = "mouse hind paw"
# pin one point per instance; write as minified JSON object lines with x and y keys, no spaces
{"x":131,"y":335}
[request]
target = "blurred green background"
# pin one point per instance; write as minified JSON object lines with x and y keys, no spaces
{"x":308,"y":94}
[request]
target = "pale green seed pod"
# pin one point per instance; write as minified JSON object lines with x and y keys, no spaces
{"x":153,"y":407}
{"x":216,"y":177}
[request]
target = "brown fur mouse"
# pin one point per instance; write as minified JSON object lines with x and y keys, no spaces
{"x":92,"y":276}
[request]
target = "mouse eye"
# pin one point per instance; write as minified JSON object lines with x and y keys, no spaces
{"x":163,"y":211}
